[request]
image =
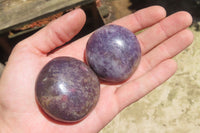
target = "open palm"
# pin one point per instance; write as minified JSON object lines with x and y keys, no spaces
{"x":163,"y":39}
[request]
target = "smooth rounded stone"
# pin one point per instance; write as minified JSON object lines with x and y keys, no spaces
{"x":113,"y":52}
{"x":67,"y":89}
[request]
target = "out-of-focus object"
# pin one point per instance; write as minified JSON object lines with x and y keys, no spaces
{"x":16,"y":13}
{"x":21,"y":18}
{"x":172,"y":6}
{"x":111,"y":10}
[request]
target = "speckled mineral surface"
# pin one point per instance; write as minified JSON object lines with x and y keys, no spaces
{"x":67,"y":89}
{"x":113,"y":52}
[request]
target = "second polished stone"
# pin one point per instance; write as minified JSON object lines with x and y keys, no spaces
{"x":113,"y":52}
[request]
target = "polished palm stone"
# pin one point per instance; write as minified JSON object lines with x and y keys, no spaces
{"x":113,"y":52}
{"x":67,"y":89}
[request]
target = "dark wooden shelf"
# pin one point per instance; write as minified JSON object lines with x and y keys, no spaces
{"x":14,"y":13}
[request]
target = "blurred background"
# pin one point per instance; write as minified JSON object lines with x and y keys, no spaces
{"x":174,"y":107}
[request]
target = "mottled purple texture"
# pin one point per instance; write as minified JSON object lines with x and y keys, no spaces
{"x":67,"y":89}
{"x":113,"y":52}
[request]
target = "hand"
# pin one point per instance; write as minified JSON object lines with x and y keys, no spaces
{"x":164,"y":38}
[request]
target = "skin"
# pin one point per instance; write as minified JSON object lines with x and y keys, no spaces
{"x":164,"y":38}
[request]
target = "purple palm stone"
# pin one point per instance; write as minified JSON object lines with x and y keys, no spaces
{"x":67,"y":89}
{"x":113,"y":52}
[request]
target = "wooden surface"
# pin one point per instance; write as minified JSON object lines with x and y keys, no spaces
{"x":17,"y":12}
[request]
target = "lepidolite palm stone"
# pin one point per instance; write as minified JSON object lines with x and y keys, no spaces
{"x":67,"y":89}
{"x":113,"y":52}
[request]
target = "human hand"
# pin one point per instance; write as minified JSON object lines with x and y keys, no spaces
{"x":164,"y":38}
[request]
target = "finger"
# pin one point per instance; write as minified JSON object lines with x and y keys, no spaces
{"x":163,"y":30}
{"x":134,"y":22}
{"x":57,"y":32}
{"x":166,"y":50}
{"x":136,"y":89}
{"x":142,"y":18}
